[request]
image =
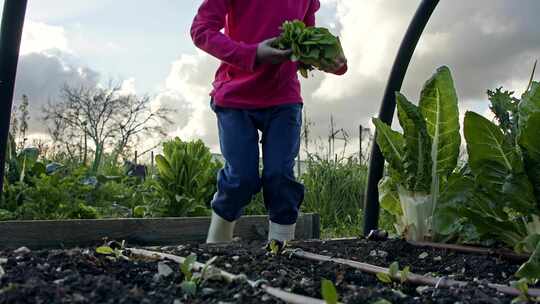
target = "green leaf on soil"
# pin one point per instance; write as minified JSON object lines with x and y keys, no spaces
{"x":189,"y":288}
{"x":329,"y":292}
{"x":393,"y":269}
{"x":384,"y":277}
{"x":105,"y":250}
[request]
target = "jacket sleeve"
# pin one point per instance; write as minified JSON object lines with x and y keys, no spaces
{"x":309,"y":20}
{"x":206,"y":34}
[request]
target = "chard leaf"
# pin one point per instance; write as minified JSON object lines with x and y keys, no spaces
{"x":389,"y":198}
{"x":391,"y":144}
{"x":487,"y":143}
{"x":417,"y":156}
{"x":164,"y":167}
{"x":439,"y":106}
{"x":519,"y":194}
{"x":531,"y":268}
{"x":529,"y":140}
{"x":530,"y":103}
{"x":458,"y":191}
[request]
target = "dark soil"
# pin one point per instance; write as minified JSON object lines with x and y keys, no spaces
{"x":81,"y":276}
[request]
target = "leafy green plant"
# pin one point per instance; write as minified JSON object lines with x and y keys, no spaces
{"x":496,"y":195}
{"x":187,"y":177}
{"x":22,"y":165}
{"x":394,"y":272}
{"x":421,"y":159}
{"x":192,"y":280}
{"x":312,"y":47}
{"x":117,"y":252}
{"x":329,"y":292}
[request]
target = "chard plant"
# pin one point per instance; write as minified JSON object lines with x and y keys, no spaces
{"x":192,"y":280}
{"x":186,"y":178}
{"x":496,"y":196}
{"x":420,"y":159}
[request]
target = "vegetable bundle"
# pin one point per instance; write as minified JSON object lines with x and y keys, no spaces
{"x":312,"y":47}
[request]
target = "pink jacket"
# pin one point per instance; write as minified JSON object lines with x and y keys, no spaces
{"x":239,"y":83}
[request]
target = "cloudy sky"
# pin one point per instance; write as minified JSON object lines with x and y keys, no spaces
{"x":146,"y":46}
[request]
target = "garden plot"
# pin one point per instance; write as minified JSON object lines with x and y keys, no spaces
{"x":85,"y":276}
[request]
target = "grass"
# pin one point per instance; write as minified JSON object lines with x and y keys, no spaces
{"x":335,"y":190}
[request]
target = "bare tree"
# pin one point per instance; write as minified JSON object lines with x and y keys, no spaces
{"x":136,"y":120}
{"x":105,"y":117}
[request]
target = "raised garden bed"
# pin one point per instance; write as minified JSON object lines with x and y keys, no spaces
{"x":82,"y":276}
{"x":148,"y":231}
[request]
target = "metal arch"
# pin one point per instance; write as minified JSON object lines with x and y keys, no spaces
{"x":10,"y":42}
{"x":386,"y":112}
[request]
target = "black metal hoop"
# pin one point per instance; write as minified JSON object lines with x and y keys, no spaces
{"x":388,"y":106}
{"x":10,"y":42}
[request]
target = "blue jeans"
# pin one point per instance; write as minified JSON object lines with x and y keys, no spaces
{"x":240,"y":180}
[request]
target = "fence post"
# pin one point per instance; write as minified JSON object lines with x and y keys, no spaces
{"x":151,"y":163}
{"x":361,"y":129}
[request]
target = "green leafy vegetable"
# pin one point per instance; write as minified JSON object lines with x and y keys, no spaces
{"x":421,"y":160}
{"x":497,"y":196}
{"x":312,"y":47}
{"x":186,"y":177}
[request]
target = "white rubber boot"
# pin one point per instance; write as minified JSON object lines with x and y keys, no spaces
{"x":220,"y":231}
{"x":281,"y":233}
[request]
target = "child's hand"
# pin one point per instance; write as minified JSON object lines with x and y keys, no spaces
{"x":268,"y":54}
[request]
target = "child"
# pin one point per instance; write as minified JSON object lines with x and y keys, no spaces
{"x":256,"y":88}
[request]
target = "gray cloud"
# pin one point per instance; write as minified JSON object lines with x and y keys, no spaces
{"x":486,"y":43}
{"x":41,"y":76}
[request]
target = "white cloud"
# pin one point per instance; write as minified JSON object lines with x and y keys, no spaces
{"x":128,"y":87}
{"x":40,"y":37}
{"x":186,"y":90}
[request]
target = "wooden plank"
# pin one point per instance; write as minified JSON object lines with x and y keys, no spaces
{"x":146,"y":232}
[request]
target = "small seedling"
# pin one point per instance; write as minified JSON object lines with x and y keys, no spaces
{"x":117,"y":251}
{"x":393,"y":271}
{"x":329,"y":292}
{"x":192,"y":280}
{"x":276,"y":247}
{"x":404,"y":274}
{"x":189,"y":285}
